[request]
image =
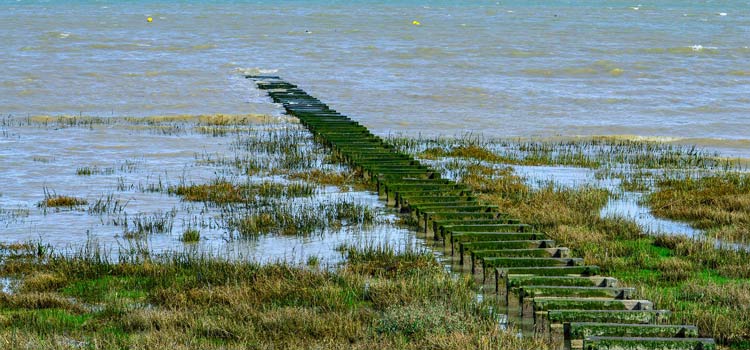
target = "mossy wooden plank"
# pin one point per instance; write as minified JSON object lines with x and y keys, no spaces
{"x":609,"y":316}
{"x":478,"y":255}
{"x":446,"y":231}
{"x":574,"y":271}
{"x":550,"y":303}
{"x":498,"y":262}
{"x":489,"y":264}
{"x":399,"y":197}
{"x":262,"y":77}
{"x":581,"y":330}
{"x":560,"y":252}
{"x":418,"y":201}
{"x":417,"y":187}
{"x":431,"y":198}
{"x":513,"y":282}
{"x":458,"y":237}
{"x":437,"y":224}
{"x":644,"y":343}
{"x":428,"y":217}
{"x":534,"y":291}
{"x":527,"y":294}
{"x":445,"y":207}
{"x":467,"y":247}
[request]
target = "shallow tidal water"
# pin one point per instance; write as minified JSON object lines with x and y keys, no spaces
{"x":133,"y":165}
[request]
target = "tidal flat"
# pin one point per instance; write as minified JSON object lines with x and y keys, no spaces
{"x":251,"y":186}
{"x":157,"y":231}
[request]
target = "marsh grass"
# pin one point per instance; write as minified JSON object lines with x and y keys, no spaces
{"x":13,"y":214}
{"x":88,"y":171}
{"x":344,"y":180}
{"x":191,"y":235}
{"x":68,"y":121}
{"x":204,"y":119}
{"x":143,"y":224}
{"x":719,"y":204}
{"x":42,"y":159}
{"x":301,"y":219}
{"x":223,"y":192}
{"x":693,"y":278}
{"x":108,"y":204}
{"x":267,"y":150}
{"x":380,"y":299}
{"x":233,"y":119}
{"x":633,"y":162}
{"x":594,"y":152}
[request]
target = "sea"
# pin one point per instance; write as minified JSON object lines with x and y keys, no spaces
{"x":677,"y":71}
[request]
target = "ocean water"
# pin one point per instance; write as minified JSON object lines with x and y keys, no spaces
{"x":675,"y":70}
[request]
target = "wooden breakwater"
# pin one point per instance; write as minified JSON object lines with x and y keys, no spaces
{"x":566,"y":299}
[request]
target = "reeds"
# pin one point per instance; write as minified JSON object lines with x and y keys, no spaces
{"x":341,"y":179}
{"x":108,"y":204}
{"x":141,"y":225}
{"x":301,"y":219}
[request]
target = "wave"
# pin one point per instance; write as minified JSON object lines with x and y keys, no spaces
{"x":525,"y":54}
{"x":149,"y":47}
{"x":426,"y":52}
{"x":596,"y":68}
{"x":739,"y":73}
{"x":688,"y":50}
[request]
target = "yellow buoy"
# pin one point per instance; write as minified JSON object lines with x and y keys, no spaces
{"x":416,"y":23}
{"x":149,"y":20}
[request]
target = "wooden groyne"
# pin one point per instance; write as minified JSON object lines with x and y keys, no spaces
{"x":566,"y":298}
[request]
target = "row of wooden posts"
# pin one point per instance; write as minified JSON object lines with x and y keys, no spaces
{"x":567,"y":299}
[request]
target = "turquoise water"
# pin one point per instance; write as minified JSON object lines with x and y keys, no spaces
{"x":675,"y":70}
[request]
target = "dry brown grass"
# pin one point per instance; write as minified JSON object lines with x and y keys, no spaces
{"x":719,"y":204}
{"x":379,"y":299}
{"x":57,"y":201}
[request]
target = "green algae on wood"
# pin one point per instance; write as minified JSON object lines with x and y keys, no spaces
{"x":609,"y":316}
{"x":581,"y":330}
{"x":638,"y":343}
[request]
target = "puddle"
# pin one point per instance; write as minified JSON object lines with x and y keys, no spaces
{"x":628,"y":206}
{"x":6,"y":285}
